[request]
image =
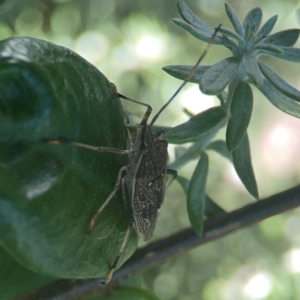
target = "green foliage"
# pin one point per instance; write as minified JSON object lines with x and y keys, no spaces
{"x":48,"y":193}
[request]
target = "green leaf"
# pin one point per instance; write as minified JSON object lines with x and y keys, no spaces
{"x":129,"y":293}
{"x":194,"y":151}
{"x":253,"y":17}
{"x":266,"y":28}
{"x":279,"y":83}
{"x":283,"y":38}
{"x":196,"y":194}
{"x":211,"y":208}
{"x":242,"y":163}
{"x":17,"y":280}
{"x":220,"y":147}
{"x":290,"y":54}
{"x":232,"y":34}
{"x":196,"y":126}
{"x":241,"y":110}
{"x":234,"y":20}
{"x":282,"y":102}
{"x":219,"y":75}
{"x":48,"y":193}
{"x":252,"y":70}
{"x":269,"y":47}
{"x":182,"y":72}
{"x":204,"y":36}
{"x":191,"y":18}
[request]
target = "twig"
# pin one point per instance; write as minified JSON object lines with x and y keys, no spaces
{"x":159,"y":251}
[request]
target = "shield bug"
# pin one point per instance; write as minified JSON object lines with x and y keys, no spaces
{"x":143,"y":185}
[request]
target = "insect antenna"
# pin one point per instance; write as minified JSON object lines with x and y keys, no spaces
{"x":188,"y":77}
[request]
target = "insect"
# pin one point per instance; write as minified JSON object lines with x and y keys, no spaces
{"x":143,"y":185}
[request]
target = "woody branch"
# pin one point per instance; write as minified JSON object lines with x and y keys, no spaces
{"x":159,"y":251}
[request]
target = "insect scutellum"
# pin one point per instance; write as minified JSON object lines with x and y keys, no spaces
{"x":143,"y":185}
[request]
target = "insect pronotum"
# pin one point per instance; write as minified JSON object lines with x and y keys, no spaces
{"x":143,"y":185}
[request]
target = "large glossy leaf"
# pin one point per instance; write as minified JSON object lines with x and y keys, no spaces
{"x":196,"y":194}
{"x":48,"y":193}
{"x":240,"y":114}
{"x":15,"y":279}
{"x":196,"y":126}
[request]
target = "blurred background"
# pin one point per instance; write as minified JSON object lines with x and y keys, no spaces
{"x":130,"y":41}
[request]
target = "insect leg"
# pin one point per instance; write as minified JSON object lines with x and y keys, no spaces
{"x":171,"y":172}
{"x":116,"y":188}
{"x":130,"y":223}
{"x":148,"y":111}
{"x":98,"y":149}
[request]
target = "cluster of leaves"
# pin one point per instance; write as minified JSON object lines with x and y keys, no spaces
{"x":238,"y":72}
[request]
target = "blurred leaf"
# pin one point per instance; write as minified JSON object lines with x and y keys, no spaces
{"x":196,"y":194}
{"x":242,"y":163}
{"x":48,"y":193}
{"x":279,"y":83}
{"x":219,"y":75}
{"x":187,"y":15}
{"x":182,"y":72}
{"x":203,"y":35}
{"x":253,"y":17}
{"x":290,"y":54}
{"x":231,"y":34}
{"x":282,"y":102}
{"x":252,"y":70}
{"x":221,"y":148}
{"x":269,"y":47}
{"x":196,"y":126}
{"x":15,"y":279}
{"x":234,"y":20}
{"x":241,"y":110}
{"x":283,"y":38}
{"x":266,"y":28}
{"x":129,"y":293}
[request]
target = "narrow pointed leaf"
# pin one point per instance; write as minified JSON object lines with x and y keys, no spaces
{"x":232,"y":34}
{"x":290,"y":54}
{"x":191,"y":18}
{"x":279,"y":100}
{"x":242,"y":164}
{"x":194,"y":151}
{"x":241,"y":110}
{"x":196,"y":194}
{"x":211,"y":208}
{"x":48,"y":193}
{"x":285,"y":38}
{"x":234,"y":19}
{"x":196,"y":126}
{"x":203,"y":35}
{"x":182,"y":72}
{"x":219,"y":75}
{"x":253,"y":17}
{"x":220,"y":147}
{"x":267,"y":28}
{"x":269,"y":47}
{"x":279,"y":83}
{"x":252,"y":70}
